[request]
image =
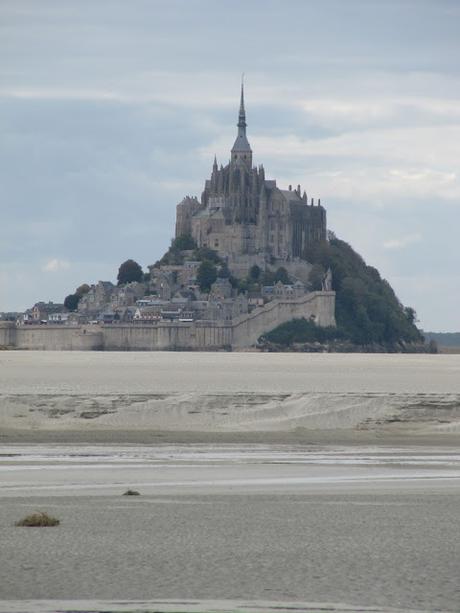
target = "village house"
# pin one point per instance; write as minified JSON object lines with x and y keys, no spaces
{"x":127,"y":295}
{"x":58,"y":317}
{"x":93,"y":302}
{"x":42,"y":310}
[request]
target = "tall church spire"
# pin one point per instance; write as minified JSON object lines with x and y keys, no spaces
{"x":242,"y":114}
{"x":241,"y":150}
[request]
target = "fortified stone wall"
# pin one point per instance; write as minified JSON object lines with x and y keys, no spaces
{"x":241,"y":333}
{"x":52,"y":338}
{"x":319,"y":305}
{"x":7,"y":334}
{"x":167,"y":336}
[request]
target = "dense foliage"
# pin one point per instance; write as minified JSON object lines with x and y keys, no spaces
{"x":280,"y":274}
{"x":367,"y":309}
{"x":211,"y":265}
{"x":301,"y":331}
{"x":82,"y":289}
{"x":71,"y":301}
{"x":183,"y":243}
{"x":128,"y":272}
{"x":256,"y":279}
{"x":206,"y":275}
{"x":174,"y":255}
{"x":204,"y":253}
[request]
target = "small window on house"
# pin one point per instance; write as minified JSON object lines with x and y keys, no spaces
{"x":216,"y":243}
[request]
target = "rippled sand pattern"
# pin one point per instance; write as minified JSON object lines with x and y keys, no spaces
{"x":222,"y":393}
{"x":422,"y":413}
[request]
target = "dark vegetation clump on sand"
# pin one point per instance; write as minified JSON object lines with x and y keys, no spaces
{"x":38,"y":520}
{"x":131,"y":493}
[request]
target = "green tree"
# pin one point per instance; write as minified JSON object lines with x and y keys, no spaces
{"x":128,"y":272}
{"x":282,"y":275}
{"x":316,"y":277}
{"x":243,"y":286}
{"x":206,"y":275}
{"x":410,"y":314}
{"x":224,"y":272}
{"x":71,"y":302}
{"x":205,"y":253}
{"x":255,"y":273}
{"x":300,"y":331}
{"x":183,"y":243}
{"x":268,"y":278}
{"x":367,"y":309}
{"x":82,"y":289}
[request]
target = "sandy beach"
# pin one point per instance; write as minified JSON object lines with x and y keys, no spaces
{"x":201,"y":397}
{"x":267,"y":482}
{"x":352,"y":526}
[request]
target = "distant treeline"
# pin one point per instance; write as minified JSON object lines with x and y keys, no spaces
{"x":444,"y":339}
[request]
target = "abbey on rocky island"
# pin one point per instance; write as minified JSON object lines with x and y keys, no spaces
{"x":246,"y":218}
{"x":191,"y":299}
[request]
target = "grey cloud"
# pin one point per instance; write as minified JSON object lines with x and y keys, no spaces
{"x":110,"y":112}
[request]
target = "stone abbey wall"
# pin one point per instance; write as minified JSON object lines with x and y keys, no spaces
{"x":199,"y":336}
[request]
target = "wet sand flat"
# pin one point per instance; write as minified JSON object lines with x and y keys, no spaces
{"x":162,"y":372}
{"x":354,"y":526}
{"x":267,"y":481}
{"x":393,"y":549}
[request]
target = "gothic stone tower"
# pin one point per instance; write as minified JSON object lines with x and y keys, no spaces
{"x":245,"y":217}
{"x":241,"y":150}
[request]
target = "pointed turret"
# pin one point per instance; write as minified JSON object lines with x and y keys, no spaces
{"x":241,"y":150}
{"x":242,"y":114}
{"x":214,"y":175}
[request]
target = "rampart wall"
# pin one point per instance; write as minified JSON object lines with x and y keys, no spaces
{"x":199,"y":336}
{"x":167,"y":336}
{"x":318,"y":305}
{"x":52,"y":338}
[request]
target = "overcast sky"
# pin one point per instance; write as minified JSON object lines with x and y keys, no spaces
{"x":111,"y":111}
